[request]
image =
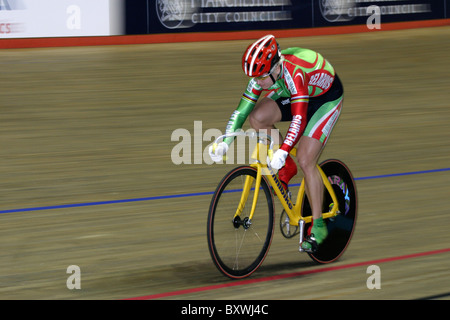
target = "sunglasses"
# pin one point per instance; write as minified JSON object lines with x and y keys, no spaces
{"x":264,"y":77}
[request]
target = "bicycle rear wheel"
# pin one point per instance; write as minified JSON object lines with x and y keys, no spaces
{"x":341,"y":227}
{"x":237,"y":245}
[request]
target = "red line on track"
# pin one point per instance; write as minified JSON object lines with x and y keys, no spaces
{"x":285,"y":276}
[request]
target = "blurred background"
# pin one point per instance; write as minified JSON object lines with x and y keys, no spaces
{"x":87,"y":140}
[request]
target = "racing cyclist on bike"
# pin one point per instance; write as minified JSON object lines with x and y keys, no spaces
{"x":303,"y":88}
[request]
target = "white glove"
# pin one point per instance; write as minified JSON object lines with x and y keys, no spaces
{"x":278,"y":159}
{"x":217,"y":151}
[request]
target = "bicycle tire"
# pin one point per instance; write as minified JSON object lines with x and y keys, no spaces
{"x":236,"y":249}
{"x":341,"y":227}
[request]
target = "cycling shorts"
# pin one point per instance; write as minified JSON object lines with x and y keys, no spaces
{"x":323,"y":110}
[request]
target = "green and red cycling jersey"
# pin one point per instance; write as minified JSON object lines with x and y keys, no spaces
{"x":304,"y":74}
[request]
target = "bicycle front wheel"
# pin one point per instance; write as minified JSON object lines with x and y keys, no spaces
{"x":238,"y":245}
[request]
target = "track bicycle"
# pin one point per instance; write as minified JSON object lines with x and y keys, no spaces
{"x":241,"y":215}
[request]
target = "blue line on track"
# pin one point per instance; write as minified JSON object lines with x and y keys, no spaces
{"x":403,"y":174}
{"x":98,"y":203}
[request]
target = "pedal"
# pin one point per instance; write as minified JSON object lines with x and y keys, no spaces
{"x":312,"y":241}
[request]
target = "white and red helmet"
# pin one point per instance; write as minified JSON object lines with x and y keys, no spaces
{"x":261,"y":56}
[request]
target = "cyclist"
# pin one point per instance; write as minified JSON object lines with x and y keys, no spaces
{"x":303,"y":88}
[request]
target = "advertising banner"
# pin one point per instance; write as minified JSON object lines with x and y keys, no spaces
{"x":60,"y":18}
{"x":172,"y":16}
{"x":216,"y":15}
{"x":348,"y":12}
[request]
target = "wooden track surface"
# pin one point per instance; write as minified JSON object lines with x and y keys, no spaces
{"x":89,"y":124}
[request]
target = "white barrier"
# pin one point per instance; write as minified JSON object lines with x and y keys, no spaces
{"x":60,"y":18}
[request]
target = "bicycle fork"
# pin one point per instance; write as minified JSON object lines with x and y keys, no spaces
{"x":245,"y":193}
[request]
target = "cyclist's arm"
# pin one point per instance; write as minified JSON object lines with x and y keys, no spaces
{"x":299,"y":110}
{"x":246,"y":105}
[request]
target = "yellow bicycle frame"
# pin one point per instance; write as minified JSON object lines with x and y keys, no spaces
{"x":293,"y":211}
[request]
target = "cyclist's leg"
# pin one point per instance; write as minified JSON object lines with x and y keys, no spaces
{"x":310,"y":147}
{"x":308,"y":154}
{"x":309,"y":150}
{"x":278,"y":103}
{"x":265,"y":115}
